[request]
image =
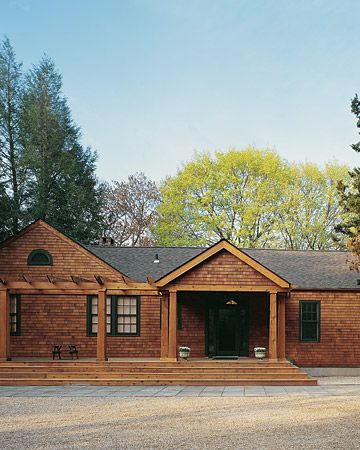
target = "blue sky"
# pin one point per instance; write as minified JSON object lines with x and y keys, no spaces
{"x":151,"y":81}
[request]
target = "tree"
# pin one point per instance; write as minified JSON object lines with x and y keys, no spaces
{"x":61,"y":182}
{"x":311,"y":207}
{"x":11,"y":171}
{"x":129,"y":210}
{"x":233,"y":196}
{"x":251,"y":197}
{"x":350,"y":201}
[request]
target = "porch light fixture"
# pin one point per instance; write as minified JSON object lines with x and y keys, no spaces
{"x":156,"y":260}
{"x":231,"y":302}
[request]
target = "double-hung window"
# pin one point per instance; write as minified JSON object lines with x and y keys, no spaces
{"x":122,"y":315}
{"x":309,"y":321}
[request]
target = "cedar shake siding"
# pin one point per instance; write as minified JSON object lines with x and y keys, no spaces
{"x":223,"y":268}
{"x":62,"y":319}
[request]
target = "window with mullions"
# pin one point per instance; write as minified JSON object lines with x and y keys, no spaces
{"x":15,"y":315}
{"x":309,"y":321}
{"x":122,"y":315}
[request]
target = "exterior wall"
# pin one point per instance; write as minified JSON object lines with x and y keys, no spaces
{"x":61,"y":319}
{"x":258,"y":322}
{"x":192,"y":333}
{"x":223,"y":268}
{"x":68,"y":259}
{"x":339,"y":329}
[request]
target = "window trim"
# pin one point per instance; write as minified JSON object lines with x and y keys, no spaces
{"x":114,"y":316}
{"x":36,"y":252}
{"x":318,"y":303}
{"x":17,"y":314}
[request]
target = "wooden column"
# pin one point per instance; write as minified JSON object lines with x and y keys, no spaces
{"x":101,"y":350}
{"x":165,"y":326}
{"x":172,"y":355}
{"x":4,"y":325}
{"x":273,"y":327}
{"x":281,"y":327}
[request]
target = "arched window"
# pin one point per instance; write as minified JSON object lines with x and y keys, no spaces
{"x":39,"y":257}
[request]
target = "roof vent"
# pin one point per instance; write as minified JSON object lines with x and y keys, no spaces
{"x":156,"y":260}
{"x":358,"y":281}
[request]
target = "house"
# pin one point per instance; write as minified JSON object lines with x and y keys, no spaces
{"x":143,"y":302}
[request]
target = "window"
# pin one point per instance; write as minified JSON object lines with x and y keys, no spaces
{"x":39,"y":257}
{"x":122,"y":315}
{"x":309,"y":321}
{"x":15,"y":315}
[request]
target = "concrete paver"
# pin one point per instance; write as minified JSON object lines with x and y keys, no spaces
{"x":323,"y":389}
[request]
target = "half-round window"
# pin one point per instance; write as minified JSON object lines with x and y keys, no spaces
{"x":39,"y":257}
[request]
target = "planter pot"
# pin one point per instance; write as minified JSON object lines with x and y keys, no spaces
{"x":184,"y":355}
{"x":260,"y":355}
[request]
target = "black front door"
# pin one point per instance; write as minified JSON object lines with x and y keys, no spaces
{"x":227,"y":329}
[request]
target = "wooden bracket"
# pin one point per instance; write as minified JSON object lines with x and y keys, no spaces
{"x":3,"y":281}
{"x":51,"y":279}
{"x":26,"y":279}
{"x":99,"y":279}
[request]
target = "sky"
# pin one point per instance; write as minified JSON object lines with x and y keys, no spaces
{"x":150,"y":82}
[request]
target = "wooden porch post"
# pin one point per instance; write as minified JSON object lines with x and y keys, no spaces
{"x":165,"y":326}
{"x":273,"y":327}
{"x":4,"y":325}
{"x":172,"y":327}
{"x":281,"y":327}
{"x":101,"y":350}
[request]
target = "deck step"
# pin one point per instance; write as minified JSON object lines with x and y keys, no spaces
{"x":156,"y":381}
{"x":210,"y":373}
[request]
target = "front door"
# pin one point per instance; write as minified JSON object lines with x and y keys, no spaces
{"x":228,"y":329}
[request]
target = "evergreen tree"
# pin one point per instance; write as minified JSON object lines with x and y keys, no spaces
{"x":11,"y":171}
{"x":61,"y":182}
{"x":350,"y":200}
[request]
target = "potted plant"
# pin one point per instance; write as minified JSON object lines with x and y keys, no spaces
{"x":260,"y":352}
{"x":184,"y":352}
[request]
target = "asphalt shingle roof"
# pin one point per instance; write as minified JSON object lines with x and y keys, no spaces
{"x":306,"y":269}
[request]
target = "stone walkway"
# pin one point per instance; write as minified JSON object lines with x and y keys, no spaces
{"x":180,"y":391}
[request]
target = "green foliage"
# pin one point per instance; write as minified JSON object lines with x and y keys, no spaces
{"x":349,"y":192}
{"x":45,"y":171}
{"x":11,"y":171}
{"x":251,"y":197}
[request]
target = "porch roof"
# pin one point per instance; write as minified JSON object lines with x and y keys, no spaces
{"x":308,"y":269}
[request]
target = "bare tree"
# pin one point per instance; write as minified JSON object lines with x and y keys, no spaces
{"x":129,"y":210}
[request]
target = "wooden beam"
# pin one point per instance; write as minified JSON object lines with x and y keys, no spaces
{"x":165,"y":326}
{"x":273,"y":327}
{"x":101,"y":353}
{"x":224,"y":287}
{"x":4,"y":325}
{"x":85,"y":286}
{"x":172,"y":354}
{"x":281,"y":327}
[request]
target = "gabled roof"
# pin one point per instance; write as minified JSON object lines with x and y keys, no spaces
{"x":213,"y":250}
{"x":83,"y":249}
{"x":307,"y":269}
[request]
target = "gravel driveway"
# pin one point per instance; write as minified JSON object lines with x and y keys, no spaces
{"x":284,"y":422}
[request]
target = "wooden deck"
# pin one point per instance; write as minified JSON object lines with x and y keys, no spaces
{"x":126,"y":371}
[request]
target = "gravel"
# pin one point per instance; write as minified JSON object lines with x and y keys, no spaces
{"x":290,"y":422}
